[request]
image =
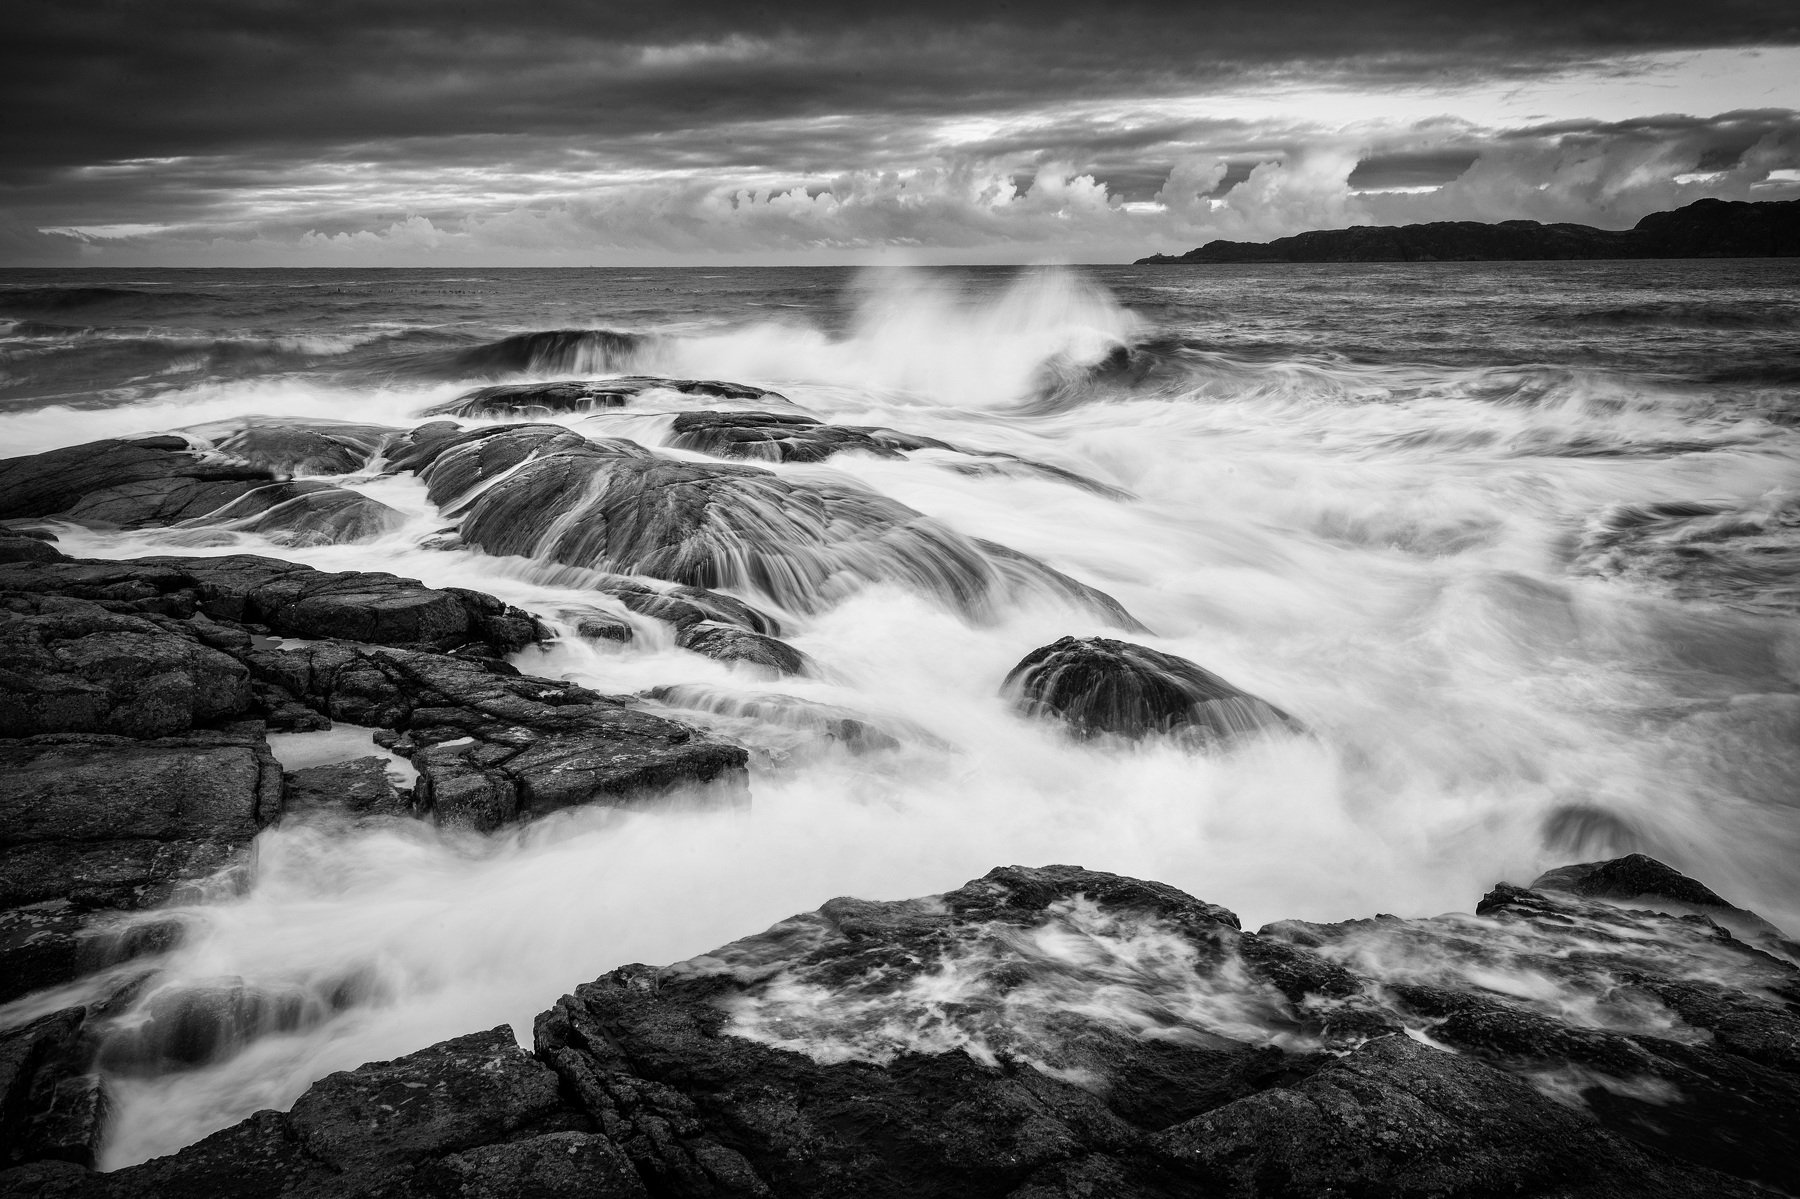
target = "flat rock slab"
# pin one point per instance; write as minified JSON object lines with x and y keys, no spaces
{"x":124,"y":483}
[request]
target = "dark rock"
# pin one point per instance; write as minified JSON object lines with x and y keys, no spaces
{"x":784,"y":437}
{"x":1703,"y":229}
{"x":615,"y":507}
{"x":557,"y":1165}
{"x":533,"y":400}
{"x":24,"y":546}
{"x":306,"y":512}
{"x":361,"y":787}
{"x":289,"y":599}
{"x":727,"y":644}
{"x":1101,"y":686}
{"x":478,"y":1099}
{"x":593,"y":624}
{"x":146,"y":806}
{"x":290,"y":446}
{"x":146,"y":481}
{"x":71,"y":666}
{"x":51,"y":1104}
{"x":492,"y":745}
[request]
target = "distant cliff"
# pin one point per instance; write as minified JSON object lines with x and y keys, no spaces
{"x":1704,"y":229}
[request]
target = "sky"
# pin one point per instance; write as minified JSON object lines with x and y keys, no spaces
{"x":646,"y":132}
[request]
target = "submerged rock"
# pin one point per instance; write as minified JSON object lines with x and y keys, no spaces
{"x":1056,"y":1033}
{"x":1100,"y":686}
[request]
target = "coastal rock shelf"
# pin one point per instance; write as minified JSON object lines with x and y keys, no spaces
{"x":1056,"y":1031}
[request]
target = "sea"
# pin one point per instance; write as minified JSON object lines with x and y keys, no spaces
{"x":1517,"y":543}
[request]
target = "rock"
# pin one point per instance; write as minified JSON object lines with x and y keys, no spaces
{"x":52,"y":1106}
{"x":1100,"y":686}
{"x":550,"y":399}
{"x":593,"y":624}
{"x":1641,"y":881}
{"x":289,"y":599}
{"x":124,"y":483}
{"x":727,"y":644}
{"x":785,"y":437}
{"x":306,"y":512}
{"x":28,"y":546}
{"x":1055,"y":1033}
{"x":291,"y":446}
{"x":492,"y":745}
{"x":791,"y":437}
{"x":753,"y":714}
{"x":71,"y":666}
{"x":362,"y":787}
{"x":478,"y":1099}
{"x":803,"y":543}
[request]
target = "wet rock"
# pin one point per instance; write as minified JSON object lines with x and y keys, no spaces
{"x":1100,"y":686}
{"x":289,"y":599}
{"x":685,"y":607}
{"x":1640,"y":881}
{"x":593,"y":624}
{"x":307,"y":512}
{"x":478,"y":1099}
{"x":492,"y":745}
{"x":754,"y":714}
{"x":52,"y":1106}
{"x":960,"y":1046}
{"x":289,"y":446}
{"x":532,"y":400}
{"x":557,"y":1165}
{"x":727,"y":644}
{"x":785,"y":437}
{"x":70,"y":666}
{"x":73,"y":796}
{"x":28,"y":546}
{"x":124,"y":483}
{"x":803,"y":543}
{"x":363,"y":787}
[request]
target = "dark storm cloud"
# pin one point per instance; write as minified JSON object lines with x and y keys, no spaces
{"x":145,"y":78}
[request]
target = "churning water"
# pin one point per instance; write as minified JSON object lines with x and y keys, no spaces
{"x":1516,"y":542}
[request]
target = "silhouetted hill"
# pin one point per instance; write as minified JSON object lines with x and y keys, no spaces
{"x":1703,"y":229}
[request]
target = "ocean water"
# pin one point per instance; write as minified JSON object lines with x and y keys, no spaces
{"x":1517,"y":542}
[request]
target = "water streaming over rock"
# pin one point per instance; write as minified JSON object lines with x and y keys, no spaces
{"x":1508,"y":550}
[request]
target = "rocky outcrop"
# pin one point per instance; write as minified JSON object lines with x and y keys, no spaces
{"x":91,"y":826}
{"x":52,"y":1107}
{"x":1703,"y":229}
{"x":612,"y":506}
{"x":1059,"y":1032}
{"x":724,"y":643}
{"x":124,"y":483}
{"x":284,"y":598}
{"x":786,"y":437}
{"x":289,"y":446}
{"x":532,"y":400}
{"x":471,"y":1117}
{"x":304,"y":512}
{"x":1098,"y":686}
{"x":492,"y":745}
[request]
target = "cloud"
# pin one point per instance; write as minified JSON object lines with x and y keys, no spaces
{"x":407,"y":130}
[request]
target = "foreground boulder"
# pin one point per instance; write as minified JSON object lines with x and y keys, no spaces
{"x":1100,"y":686}
{"x":1059,"y":1032}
